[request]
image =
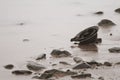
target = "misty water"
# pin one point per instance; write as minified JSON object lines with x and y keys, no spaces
{"x":50,"y":24}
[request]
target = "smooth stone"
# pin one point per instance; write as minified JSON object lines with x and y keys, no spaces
{"x":107,"y":64}
{"x":9,"y":66}
{"x":78,"y":59}
{"x":117,"y":10}
{"x":94,"y":63}
{"x":106,"y":22}
{"x":64,"y":63}
{"x":34,"y":66}
{"x":83,"y":75}
{"x":114,"y":50}
{"x":21,"y":72}
{"x":101,"y":78}
{"x":99,"y":13}
{"x":82,"y":65}
{"x":41,"y":56}
{"x":58,"y":53}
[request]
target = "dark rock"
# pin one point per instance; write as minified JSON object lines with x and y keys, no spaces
{"x":114,"y":50}
{"x":117,"y":10}
{"x":82,"y":65}
{"x":54,"y":64}
{"x":21,"y":23}
{"x":83,"y":75}
{"x":106,"y":22}
{"x":55,"y":73}
{"x":64,"y":63}
{"x":41,"y":56}
{"x":101,"y":78}
{"x":94,"y":63}
{"x":118,"y":63}
{"x":107,"y":64}
{"x":58,"y":53}
{"x":87,"y":36}
{"x":99,"y":40}
{"x":78,"y":59}
{"x":34,"y":66}
{"x":99,"y":13}
{"x":26,"y":40}
{"x":110,"y":34}
{"x":21,"y":72}
{"x":9,"y":66}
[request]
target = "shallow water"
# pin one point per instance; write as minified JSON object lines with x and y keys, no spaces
{"x":50,"y":24}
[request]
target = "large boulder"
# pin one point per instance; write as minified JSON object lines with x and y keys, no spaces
{"x":89,"y":35}
{"x":106,"y":22}
{"x":34,"y":66}
{"x":58,"y":53}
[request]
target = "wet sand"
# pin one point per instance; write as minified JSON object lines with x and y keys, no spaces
{"x":50,"y":25}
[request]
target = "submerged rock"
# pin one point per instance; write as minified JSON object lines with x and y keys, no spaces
{"x":9,"y":66}
{"x":99,"y":13}
{"x":55,"y":73}
{"x":21,"y":72}
{"x":82,"y":65}
{"x":117,"y":10}
{"x":87,"y":36}
{"x":114,"y":50}
{"x":106,"y":22}
{"x":83,"y":75}
{"x":34,"y":66}
{"x":41,"y":56}
{"x":58,"y":53}
{"x":78,"y":59}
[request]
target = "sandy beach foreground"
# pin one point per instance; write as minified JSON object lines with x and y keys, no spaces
{"x":32,"y":31}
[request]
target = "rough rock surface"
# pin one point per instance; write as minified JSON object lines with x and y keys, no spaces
{"x":58,"y":53}
{"x":106,"y":22}
{"x":34,"y":66}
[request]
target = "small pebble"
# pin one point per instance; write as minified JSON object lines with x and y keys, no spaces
{"x":9,"y":66}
